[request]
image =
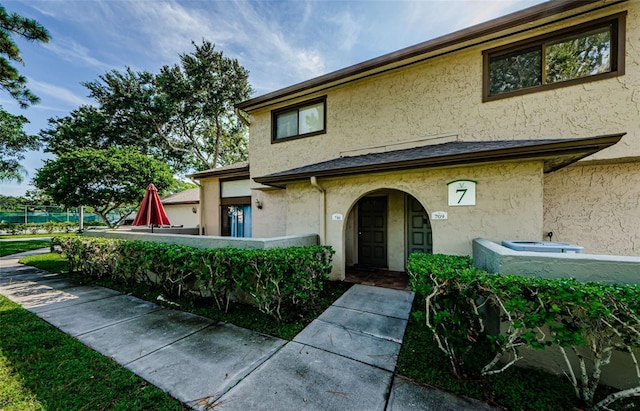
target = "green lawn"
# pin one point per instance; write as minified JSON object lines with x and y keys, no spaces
{"x":13,"y":247}
{"x":42,"y":368}
{"x":19,"y":236}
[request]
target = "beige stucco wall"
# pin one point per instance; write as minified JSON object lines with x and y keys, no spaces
{"x":210,"y":201}
{"x":443,"y":96}
{"x":503,"y":209}
{"x":595,"y":206}
{"x":271,"y":220}
{"x":182,"y":214}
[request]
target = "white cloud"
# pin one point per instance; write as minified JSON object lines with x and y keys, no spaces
{"x":253,"y":32}
{"x":71,"y":51}
{"x":348,"y":29}
{"x":57,"y":93}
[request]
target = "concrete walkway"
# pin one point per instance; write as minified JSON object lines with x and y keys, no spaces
{"x":344,"y":360}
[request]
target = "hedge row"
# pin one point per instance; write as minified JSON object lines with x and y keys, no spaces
{"x":272,"y":279}
{"x":49,"y":227}
{"x":576,"y":317}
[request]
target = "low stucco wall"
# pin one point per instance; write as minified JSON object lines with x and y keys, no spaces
{"x":204,"y":241}
{"x":172,"y":230}
{"x":495,"y":258}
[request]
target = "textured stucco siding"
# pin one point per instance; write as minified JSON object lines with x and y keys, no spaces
{"x":509,"y":205}
{"x":595,"y":206}
{"x":210,"y":201}
{"x":271,"y":220}
{"x":443,"y":95}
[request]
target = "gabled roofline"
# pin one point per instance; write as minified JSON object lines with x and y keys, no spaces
{"x":555,"y":155}
{"x":411,"y":54}
{"x":232,"y":170}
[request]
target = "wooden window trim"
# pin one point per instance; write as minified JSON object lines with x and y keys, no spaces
{"x":235,"y":201}
{"x":297,"y":106}
{"x":617,"y":52}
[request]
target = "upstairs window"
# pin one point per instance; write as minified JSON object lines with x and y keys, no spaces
{"x":586,"y":52}
{"x":301,"y":120}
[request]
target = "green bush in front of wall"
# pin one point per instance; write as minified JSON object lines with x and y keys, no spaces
{"x":575,"y":317}
{"x":272,"y":279}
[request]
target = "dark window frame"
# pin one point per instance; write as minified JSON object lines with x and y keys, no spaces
{"x":245,"y":200}
{"x":617,"y":61}
{"x":298,"y":106}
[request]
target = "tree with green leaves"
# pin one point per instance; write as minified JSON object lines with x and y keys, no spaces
{"x":10,"y":79}
{"x":201,"y":93}
{"x":13,"y":143}
{"x":13,"y":140}
{"x":109,"y":180}
{"x":183,"y":116}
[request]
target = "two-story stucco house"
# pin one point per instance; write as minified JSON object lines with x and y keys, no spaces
{"x":510,"y":129}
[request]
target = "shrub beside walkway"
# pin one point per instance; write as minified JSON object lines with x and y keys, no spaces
{"x":345,"y":359}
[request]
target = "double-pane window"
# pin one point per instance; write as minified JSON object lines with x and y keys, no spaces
{"x":585,"y":53}
{"x":301,"y":120}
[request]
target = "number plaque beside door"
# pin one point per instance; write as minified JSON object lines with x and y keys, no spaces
{"x":462,"y":193}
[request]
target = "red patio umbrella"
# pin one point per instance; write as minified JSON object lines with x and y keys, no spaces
{"x":151,"y":211}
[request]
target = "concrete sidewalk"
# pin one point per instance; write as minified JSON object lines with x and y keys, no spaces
{"x":344,"y":360}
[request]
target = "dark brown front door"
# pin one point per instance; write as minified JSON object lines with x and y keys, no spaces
{"x":419,"y":228}
{"x":372,"y":232}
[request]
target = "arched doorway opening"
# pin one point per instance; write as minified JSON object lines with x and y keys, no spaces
{"x":383,"y":228}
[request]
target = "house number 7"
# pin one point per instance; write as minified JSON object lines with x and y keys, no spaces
{"x":463,"y":191}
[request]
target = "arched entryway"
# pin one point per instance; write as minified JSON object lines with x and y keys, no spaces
{"x":383,"y":227}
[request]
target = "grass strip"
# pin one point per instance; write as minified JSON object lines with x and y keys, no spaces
{"x":13,"y":247}
{"x":21,"y":236}
{"x":42,"y":368}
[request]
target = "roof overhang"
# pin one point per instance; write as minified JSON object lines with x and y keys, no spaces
{"x":171,"y":203}
{"x":236,"y":170}
{"x":526,"y":19}
{"x":554,"y":153}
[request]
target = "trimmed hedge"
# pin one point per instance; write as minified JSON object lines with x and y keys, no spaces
{"x":271,"y":279}
{"x":596,"y":318}
{"x":49,"y":227}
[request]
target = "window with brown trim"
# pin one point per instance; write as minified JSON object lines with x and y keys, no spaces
{"x":586,"y":52}
{"x":300,"y":120}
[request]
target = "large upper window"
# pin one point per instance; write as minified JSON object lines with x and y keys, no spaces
{"x":300,"y":120}
{"x":583,"y":53}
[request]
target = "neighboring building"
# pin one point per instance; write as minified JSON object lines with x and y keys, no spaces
{"x":474,"y":134}
{"x":183,"y":208}
{"x":226,"y":198}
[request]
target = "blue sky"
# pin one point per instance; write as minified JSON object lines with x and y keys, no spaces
{"x":280,"y":42}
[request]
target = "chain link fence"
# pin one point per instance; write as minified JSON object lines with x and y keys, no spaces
{"x":43,"y":214}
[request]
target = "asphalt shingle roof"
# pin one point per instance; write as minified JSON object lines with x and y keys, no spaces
{"x":556,"y":154}
{"x":191,"y":196}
